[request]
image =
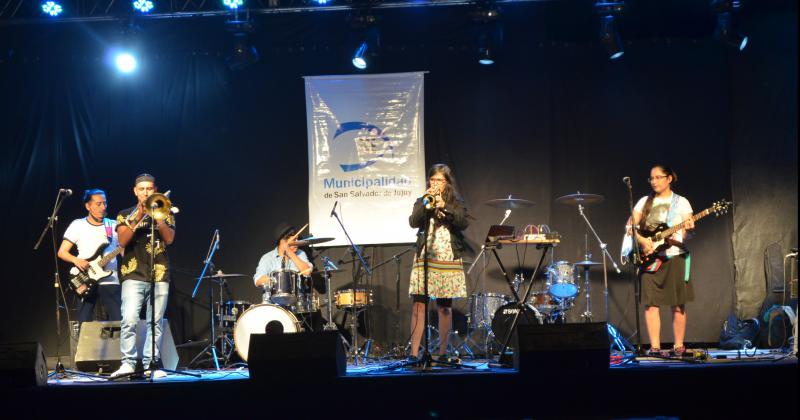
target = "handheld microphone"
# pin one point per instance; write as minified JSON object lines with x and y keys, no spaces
{"x":626,"y":180}
{"x":66,"y":191}
{"x":333,"y":210}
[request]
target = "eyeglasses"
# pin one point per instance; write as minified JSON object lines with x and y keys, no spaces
{"x":656,"y":178}
{"x":437,"y":180}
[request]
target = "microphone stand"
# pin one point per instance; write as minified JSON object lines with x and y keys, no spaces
{"x":52,"y":226}
{"x":368,"y":270}
{"x":618,"y":340}
{"x":634,"y":271}
{"x":212,"y":345}
{"x":396,"y":259}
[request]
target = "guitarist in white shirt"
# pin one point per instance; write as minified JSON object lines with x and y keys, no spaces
{"x":665,"y":282}
{"x":88,"y":234}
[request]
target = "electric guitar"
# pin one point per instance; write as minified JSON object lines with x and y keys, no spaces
{"x":83,"y":283}
{"x":662,"y":232}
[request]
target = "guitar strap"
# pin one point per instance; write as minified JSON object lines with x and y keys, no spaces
{"x":672,"y":206}
{"x":109,"y":230}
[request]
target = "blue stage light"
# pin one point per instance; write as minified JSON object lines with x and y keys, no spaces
{"x":359,"y":58}
{"x":52,"y":8}
{"x":233,"y":4}
{"x":125,"y":62}
{"x":143,"y":6}
{"x":321,"y":2}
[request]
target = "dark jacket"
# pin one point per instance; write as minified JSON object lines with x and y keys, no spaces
{"x":455,"y":219}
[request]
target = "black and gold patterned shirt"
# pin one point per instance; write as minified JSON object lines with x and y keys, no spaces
{"x":135,"y":263}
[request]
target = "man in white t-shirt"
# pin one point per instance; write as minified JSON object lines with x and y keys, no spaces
{"x":89,"y":234}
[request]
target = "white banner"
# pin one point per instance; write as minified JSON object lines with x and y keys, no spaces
{"x":365,"y":152}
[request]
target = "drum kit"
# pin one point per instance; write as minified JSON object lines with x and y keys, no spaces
{"x":287,"y":299}
{"x":490,"y":315}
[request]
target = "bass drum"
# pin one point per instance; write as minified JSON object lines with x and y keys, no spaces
{"x":257,"y":319}
{"x":504,"y":317}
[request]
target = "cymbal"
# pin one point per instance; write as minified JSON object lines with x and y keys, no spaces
{"x":587,"y":263}
{"x":224,"y":276}
{"x":580,"y":198}
{"x":310,"y":241}
{"x":509,"y":203}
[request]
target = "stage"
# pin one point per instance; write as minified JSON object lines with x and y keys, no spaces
{"x":725,"y":384}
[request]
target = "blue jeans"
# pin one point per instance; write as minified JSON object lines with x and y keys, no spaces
{"x":136,"y":293}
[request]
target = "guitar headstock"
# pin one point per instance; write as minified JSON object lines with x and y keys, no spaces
{"x":721,"y":207}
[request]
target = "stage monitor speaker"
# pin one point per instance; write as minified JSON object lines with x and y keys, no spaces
{"x":562,"y":347}
{"x":98,"y":346}
{"x":22,"y":365}
{"x":304,"y":355}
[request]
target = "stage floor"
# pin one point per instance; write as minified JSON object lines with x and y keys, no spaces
{"x":726,"y":383}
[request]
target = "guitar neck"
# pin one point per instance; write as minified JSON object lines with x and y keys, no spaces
{"x":679,"y":226}
{"x":108,"y":257}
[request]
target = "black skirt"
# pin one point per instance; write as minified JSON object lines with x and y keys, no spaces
{"x":666,"y":287}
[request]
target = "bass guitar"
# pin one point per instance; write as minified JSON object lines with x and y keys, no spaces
{"x":661,"y":233}
{"x":83,"y":283}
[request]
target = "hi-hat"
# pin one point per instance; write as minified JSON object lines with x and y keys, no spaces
{"x":509,"y":203}
{"x":322,"y":272}
{"x":580,"y":198}
{"x":587,"y":263}
{"x":310,"y":241}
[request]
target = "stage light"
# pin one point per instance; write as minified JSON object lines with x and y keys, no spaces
{"x":52,"y":8}
{"x":233,"y":4}
{"x":321,"y":2}
{"x":485,"y":56}
{"x":359,"y":58}
{"x":143,"y":6}
{"x":610,"y":37}
{"x":726,"y":28}
{"x":125,"y":62}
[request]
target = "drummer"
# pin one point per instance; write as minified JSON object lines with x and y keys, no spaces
{"x":282,"y":257}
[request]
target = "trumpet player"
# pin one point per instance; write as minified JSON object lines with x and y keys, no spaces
{"x":440,"y":216}
{"x":133,"y":230}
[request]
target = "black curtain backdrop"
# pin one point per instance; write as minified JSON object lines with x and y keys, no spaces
{"x":553,"y":117}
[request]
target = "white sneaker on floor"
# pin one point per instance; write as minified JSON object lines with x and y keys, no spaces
{"x":124,"y":369}
{"x":157,"y":374}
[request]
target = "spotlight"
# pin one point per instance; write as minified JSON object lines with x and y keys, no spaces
{"x":244,"y":53}
{"x":52,"y":8}
{"x":485,"y":56}
{"x":125,"y":62}
{"x":359,"y":58}
{"x":321,"y":2}
{"x":233,"y":4}
{"x":609,"y":35}
{"x":726,"y":24}
{"x":143,"y":6}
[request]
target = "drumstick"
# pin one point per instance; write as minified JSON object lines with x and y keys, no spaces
{"x":298,"y":233}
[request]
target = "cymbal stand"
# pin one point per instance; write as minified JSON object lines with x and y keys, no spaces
{"x":212,"y":345}
{"x":587,"y":256}
{"x":618,"y":340}
{"x":328,"y":264}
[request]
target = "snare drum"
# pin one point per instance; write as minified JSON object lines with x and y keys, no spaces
{"x":482,"y":307}
{"x":561,"y":280}
{"x":544,"y":303}
{"x":256,"y":319}
{"x":231,"y":311}
{"x":306,"y":303}
{"x":285,"y":286}
{"x":347,"y":299}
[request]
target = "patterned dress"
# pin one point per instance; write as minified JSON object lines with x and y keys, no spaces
{"x":445,"y":274}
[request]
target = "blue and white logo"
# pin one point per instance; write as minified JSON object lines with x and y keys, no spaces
{"x":370,"y":142}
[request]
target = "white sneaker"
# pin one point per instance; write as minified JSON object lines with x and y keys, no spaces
{"x":157,"y":374}
{"x":124,"y":369}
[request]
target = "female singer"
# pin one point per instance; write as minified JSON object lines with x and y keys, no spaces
{"x":440,"y":216}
